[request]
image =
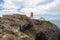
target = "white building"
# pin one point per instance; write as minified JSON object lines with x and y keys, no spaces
{"x":42,"y":19}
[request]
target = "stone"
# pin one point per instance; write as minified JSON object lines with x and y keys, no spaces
{"x":18,"y":27}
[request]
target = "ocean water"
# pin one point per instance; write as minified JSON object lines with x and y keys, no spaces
{"x":56,"y":22}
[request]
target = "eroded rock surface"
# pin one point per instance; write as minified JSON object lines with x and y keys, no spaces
{"x":21,"y":27}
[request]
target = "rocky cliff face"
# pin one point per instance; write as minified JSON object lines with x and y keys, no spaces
{"x":21,"y":27}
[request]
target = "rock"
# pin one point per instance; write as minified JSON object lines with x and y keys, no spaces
{"x":26,"y":26}
{"x":47,"y":34}
{"x":40,"y":36}
{"x":21,"y":27}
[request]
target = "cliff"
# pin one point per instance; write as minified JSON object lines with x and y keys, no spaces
{"x":21,"y":27}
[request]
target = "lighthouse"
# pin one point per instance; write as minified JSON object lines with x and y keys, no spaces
{"x":31,"y":15}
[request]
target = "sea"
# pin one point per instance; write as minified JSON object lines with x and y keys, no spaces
{"x":56,"y":22}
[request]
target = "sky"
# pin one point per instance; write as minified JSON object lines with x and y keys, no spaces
{"x":49,"y":9}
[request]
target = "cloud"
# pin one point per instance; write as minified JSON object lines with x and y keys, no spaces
{"x":8,"y":7}
{"x":8,"y":4}
{"x":42,"y":9}
{"x":45,"y":2}
{"x":38,"y":7}
{"x":8,"y":11}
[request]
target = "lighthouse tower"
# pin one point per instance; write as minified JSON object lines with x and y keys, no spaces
{"x":31,"y":15}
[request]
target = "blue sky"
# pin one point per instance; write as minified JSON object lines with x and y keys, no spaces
{"x":1,"y":1}
{"x":49,"y":9}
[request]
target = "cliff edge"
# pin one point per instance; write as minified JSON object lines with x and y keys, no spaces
{"x":21,"y":27}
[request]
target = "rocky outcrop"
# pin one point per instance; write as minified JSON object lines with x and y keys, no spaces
{"x":21,"y":27}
